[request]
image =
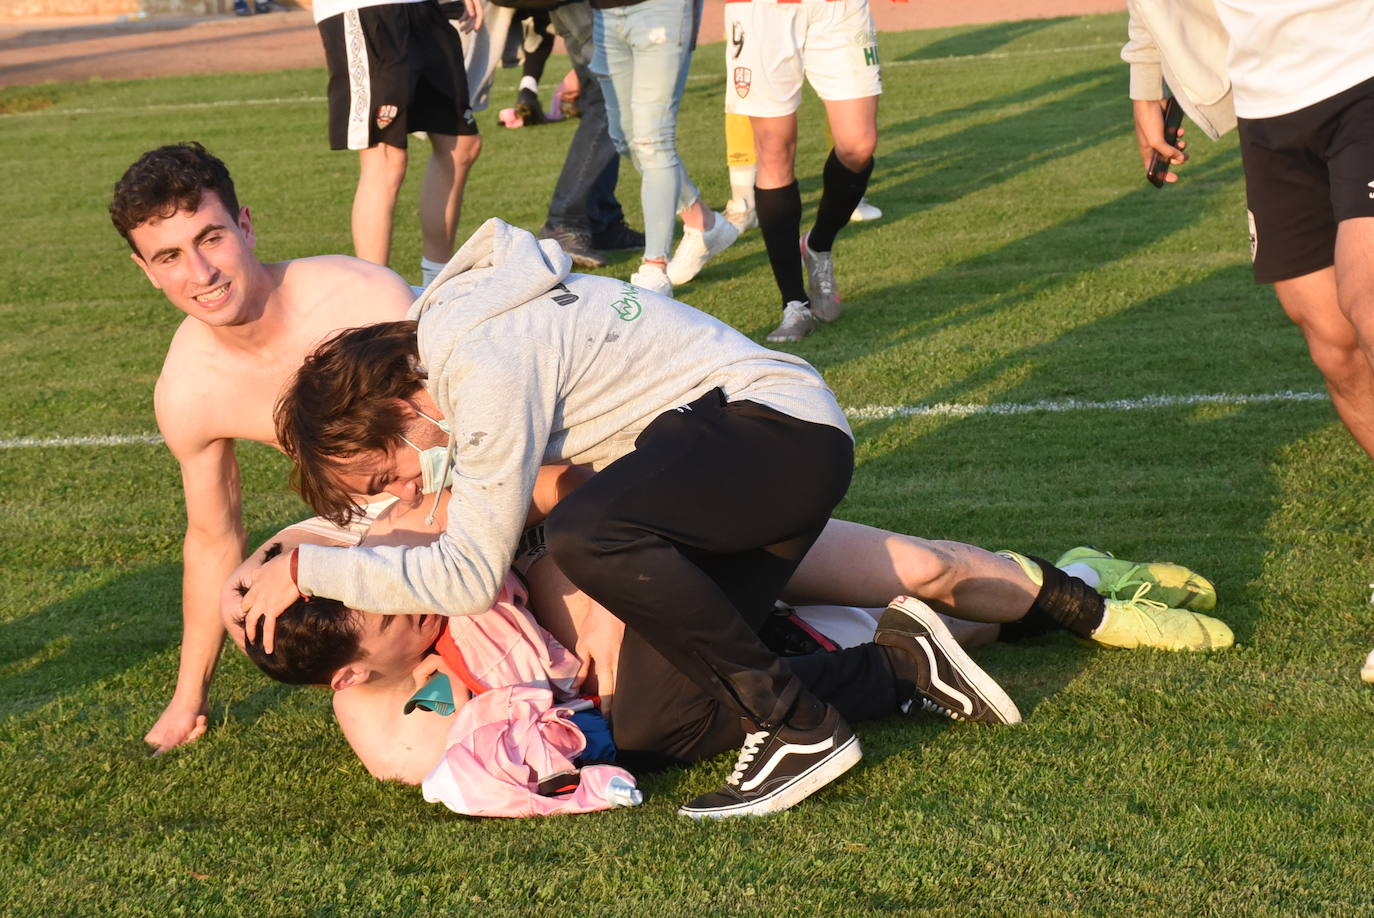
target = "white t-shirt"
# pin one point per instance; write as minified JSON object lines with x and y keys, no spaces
{"x":1289,"y":54}
{"x":323,"y":9}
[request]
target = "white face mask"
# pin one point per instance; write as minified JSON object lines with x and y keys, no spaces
{"x":434,"y":464}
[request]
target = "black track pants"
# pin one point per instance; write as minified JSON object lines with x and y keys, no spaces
{"x":693,"y":534}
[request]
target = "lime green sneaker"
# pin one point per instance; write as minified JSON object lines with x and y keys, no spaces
{"x":1141,"y":622}
{"x":1171,"y":584}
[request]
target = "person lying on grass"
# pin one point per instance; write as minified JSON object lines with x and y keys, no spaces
{"x":512,"y":679}
{"x":718,"y":463}
{"x":374,"y":668}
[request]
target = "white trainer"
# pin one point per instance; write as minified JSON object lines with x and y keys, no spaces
{"x":698,"y":246}
{"x":865,"y":212}
{"x":797,"y":322}
{"x":741,"y":214}
{"x":1367,"y":671}
{"x":652,"y":278}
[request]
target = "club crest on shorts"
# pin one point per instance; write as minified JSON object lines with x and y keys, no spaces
{"x":385,"y":115}
{"x":744,"y":78}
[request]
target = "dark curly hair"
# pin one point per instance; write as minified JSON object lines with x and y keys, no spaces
{"x":313,"y":638}
{"x":168,"y":180}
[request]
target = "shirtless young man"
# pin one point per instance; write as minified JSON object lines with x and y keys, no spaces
{"x":248,"y":326}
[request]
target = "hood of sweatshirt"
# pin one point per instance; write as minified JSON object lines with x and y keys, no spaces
{"x":499,"y":268}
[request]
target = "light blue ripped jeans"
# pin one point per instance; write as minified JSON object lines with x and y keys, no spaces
{"x":641,"y":60}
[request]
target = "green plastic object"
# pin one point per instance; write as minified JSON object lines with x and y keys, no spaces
{"x":435,"y":695}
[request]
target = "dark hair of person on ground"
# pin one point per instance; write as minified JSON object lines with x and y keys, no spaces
{"x":166,"y":181}
{"x":342,"y":402}
{"x":314,"y":639}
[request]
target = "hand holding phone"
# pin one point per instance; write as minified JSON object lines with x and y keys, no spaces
{"x":1159,"y":165}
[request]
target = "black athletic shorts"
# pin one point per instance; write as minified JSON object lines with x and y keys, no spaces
{"x":1305,"y":172}
{"x":394,"y":69}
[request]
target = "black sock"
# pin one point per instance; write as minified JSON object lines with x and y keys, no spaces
{"x":779,"y":211}
{"x":536,"y":59}
{"x":841,"y":192}
{"x":1064,"y":601}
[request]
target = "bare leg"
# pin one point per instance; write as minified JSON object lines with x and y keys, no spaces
{"x":854,"y":128}
{"x":775,"y":145}
{"x":441,"y":197}
{"x":972,"y":634}
{"x":1311,"y":302}
{"x":381,"y":170}
{"x":859,"y":565}
{"x":1354,"y":277}
{"x":697,"y":216}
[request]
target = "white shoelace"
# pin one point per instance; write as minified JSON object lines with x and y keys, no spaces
{"x":752,"y":742}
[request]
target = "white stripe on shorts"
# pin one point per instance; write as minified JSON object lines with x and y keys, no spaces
{"x":359,"y":82}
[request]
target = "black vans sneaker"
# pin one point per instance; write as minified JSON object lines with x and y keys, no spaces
{"x":779,"y":768}
{"x":946,"y":678}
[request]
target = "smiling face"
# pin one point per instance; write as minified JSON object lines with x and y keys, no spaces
{"x":203,"y":261}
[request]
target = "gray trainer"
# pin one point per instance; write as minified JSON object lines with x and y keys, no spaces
{"x":797,"y":322}
{"x":820,"y":283}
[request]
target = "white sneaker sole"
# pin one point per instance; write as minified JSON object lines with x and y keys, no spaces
{"x":813,"y":779}
{"x":989,"y":692}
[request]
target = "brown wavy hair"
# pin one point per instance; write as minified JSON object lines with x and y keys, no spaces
{"x":166,"y":181}
{"x":341,"y":403}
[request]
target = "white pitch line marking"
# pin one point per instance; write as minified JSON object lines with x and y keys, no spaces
{"x":863,"y":413}
{"x":1052,"y":406}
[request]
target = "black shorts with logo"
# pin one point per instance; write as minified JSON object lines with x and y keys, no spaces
{"x":1305,"y":172}
{"x":394,"y":69}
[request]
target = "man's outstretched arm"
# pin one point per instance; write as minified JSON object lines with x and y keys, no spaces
{"x":213,"y":548}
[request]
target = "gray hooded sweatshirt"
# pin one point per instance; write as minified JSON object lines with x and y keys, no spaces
{"x":530,"y":365}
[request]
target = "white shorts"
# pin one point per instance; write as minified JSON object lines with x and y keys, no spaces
{"x":771,"y":46}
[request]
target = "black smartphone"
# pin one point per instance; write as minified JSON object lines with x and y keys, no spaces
{"x":1159,"y":166}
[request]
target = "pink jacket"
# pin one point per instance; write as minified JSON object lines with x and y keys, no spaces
{"x":514,"y":733}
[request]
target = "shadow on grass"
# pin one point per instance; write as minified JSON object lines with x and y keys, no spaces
{"x":984,"y":40}
{"x":87,"y":650}
{"x":1026,"y":268}
{"x":916,"y":177}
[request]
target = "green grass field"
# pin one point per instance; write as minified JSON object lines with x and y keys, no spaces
{"x":1022,"y":261}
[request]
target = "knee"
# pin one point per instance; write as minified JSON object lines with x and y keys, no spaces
{"x":654,"y":150}
{"x":1334,"y":348}
{"x":1341,"y":362}
{"x":856,"y":158}
{"x":382,"y":166}
{"x":1358,"y":307}
{"x":466,"y":150}
{"x":857,"y":152}
{"x":775,"y":152}
{"x":925,"y":569}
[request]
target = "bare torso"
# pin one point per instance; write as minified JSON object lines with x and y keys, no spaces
{"x":223,"y":383}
